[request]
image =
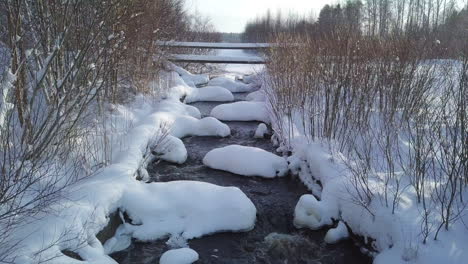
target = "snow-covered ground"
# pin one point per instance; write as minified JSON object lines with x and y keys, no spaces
{"x":397,"y":235}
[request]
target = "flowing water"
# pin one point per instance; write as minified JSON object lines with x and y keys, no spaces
{"x":274,"y":238}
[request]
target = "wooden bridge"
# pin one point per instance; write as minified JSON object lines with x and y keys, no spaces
{"x":213,"y":58}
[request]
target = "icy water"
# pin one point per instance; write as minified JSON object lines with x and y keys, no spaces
{"x":274,"y":238}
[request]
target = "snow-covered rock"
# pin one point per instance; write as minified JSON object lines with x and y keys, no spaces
{"x":188,"y":209}
{"x":179,"y":256}
{"x":257,"y":96}
{"x":120,"y":241}
{"x":250,"y":78}
{"x":242,"y":111}
{"x":174,"y":106}
{"x":189,"y":78}
{"x":171,"y":149}
{"x":308,"y":213}
{"x":247,"y":161}
{"x":209,"y":94}
{"x":337,"y":234}
{"x":209,"y":126}
{"x":230,"y":84}
{"x":261,"y":131}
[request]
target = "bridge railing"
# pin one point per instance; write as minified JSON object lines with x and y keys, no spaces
{"x":215,"y":45}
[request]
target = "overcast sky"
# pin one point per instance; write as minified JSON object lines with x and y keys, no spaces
{"x":231,"y":15}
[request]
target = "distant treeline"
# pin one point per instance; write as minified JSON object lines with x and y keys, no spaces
{"x":437,"y":20}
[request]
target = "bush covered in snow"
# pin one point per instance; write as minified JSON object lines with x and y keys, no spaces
{"x":378,"y":133}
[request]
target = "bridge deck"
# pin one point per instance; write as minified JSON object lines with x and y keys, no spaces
{"x":216,"y":59}
{"x":214,"y":45}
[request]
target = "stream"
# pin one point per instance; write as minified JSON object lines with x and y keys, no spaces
{"x":274,"y":238}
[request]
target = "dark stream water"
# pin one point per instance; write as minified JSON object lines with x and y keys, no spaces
{"x":274,"y":238}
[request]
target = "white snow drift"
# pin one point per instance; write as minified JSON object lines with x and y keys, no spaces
{"x":261,"y":131}
{"x":308,"y":213}
{"x":209,"y":94}
{"x":179,"y":256}
{"x":337,"y":234}
{"x":257,"y":96}
{"x":242,"y":111}
{"x":189,"y":78}
{"x":188,"y":126}
{"x":230,"y":84}
{"x":188,"y":209}
{"x":247,"y":161}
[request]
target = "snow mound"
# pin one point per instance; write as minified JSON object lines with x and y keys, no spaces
{"x":179,"y":256}
{"x":247,"y":161}
{"x":175,"y":106}
{"x":120,"y":241}
{"x":209,"y":94}
{"x":337,"y":234}
{"x":242,"y":111}
{"x":171,"y":149}
{"x":253,"y":78}
{"x":188,"y":209}
{"x":261,"y":131}
{"x":257,"y":96}
{"x":308,"y":213}
{"x":189,"y":78}
{"x":208,"y":126}
{"x":230,"y":84}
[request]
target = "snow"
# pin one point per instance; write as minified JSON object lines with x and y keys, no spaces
{"x":208,"y":126}
{"x":257,"y":96}
{"x":120,"y":241}
{"x":308,"y":213}
{"x":396,"y":236}
{"x":244,"y":69}
{"x":261,"y":131}
{"x":252,"y":78}
{"x":146,"y":129}
{"x":179,"y":256}
{"x":210,"y":94}
{"x":190,"y":94}
{"x":242,"y":111}
{"x":171,"y":149}
{"x":189,"y":78}
{"x":188,"y":209}
{"x":230,"y":84}
{"x":334,"y":235}
{"x":246,"y":161}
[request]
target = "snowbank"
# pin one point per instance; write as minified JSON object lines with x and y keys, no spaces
{"x":189,"y":78}
{"x":334,"y":235}
{"x":230,"y":84}
{"x":247,"y":161}
{"x":396,"y":236}
{"x":242,"y":111}
{"x":257,"y":96}
{"x":209,"y":94}
{"x":179,"y":256}
{"x":308,"y":213}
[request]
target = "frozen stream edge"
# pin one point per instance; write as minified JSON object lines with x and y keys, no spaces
{"x":274,"y":238}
